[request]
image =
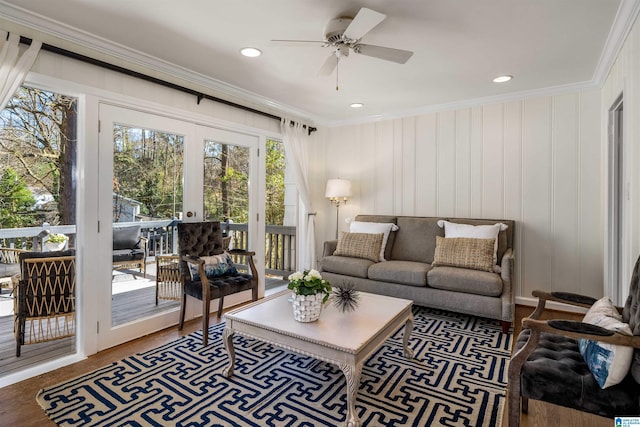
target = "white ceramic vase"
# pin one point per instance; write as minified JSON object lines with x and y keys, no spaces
{"x":307,"y":308}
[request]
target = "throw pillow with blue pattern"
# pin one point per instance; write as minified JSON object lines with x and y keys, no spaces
{"x":608,"y":363}
{"x":214,"y":266}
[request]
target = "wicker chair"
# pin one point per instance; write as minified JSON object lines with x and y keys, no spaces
{"x":45,"y":297}
{"x":201,"y":239}
{"x":547,"y":364}
{"x":9,"y":263}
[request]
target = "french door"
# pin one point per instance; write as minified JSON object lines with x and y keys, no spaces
{"x":156,"y":171}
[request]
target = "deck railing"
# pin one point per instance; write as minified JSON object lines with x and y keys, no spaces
{"x":280,"y":241}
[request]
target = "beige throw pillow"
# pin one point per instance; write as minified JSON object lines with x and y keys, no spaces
{"x":360,"y":245}
{"x":476,"y":254}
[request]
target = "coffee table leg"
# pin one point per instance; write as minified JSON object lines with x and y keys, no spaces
{"x":227,"y":336}
{"x":408,"y":327}
{"x":352,"y":375}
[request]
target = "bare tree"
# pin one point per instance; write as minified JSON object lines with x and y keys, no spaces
{"x":39,"y":139}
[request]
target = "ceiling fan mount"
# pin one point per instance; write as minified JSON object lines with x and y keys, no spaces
{"x":344,"y":34}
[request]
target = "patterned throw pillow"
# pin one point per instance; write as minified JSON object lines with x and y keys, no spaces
{"x":476,"y":254}
{"x":360,"y":245}
{"x":214,"y":266}
{"x":608,"y":363}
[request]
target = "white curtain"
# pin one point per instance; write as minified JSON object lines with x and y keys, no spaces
{"x":296,"y":142}
{"x":13,"y":66}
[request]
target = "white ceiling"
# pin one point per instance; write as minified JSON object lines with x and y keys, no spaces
{"x":459,"y":45}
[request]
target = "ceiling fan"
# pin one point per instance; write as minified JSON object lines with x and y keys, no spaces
{"x":344,"y":35}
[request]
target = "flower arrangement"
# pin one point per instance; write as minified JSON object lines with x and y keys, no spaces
{"x":57,"y":238}
{"x":309,"y":283}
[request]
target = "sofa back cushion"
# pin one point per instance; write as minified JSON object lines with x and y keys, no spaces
{"x":415,"y":239}
{"x":382,"y":218}
{"x":126,"y":237}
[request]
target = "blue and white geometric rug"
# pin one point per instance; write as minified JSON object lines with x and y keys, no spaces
{"x":458,"y":377}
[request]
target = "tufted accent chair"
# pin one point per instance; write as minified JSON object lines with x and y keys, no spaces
{"x":199,"y":239}
{"x":547,"y":364}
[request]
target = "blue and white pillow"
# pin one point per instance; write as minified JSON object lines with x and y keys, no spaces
{"x":608,"y":363}
{"x":214,"y":266}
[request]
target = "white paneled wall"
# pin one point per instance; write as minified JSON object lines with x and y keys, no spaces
{"x":537,"y":161}
{"x":624,"y":79}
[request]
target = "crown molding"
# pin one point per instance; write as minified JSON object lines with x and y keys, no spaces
{"x":469,"y":103}
{"x":622,"y":25}
{"x":82,"y":38}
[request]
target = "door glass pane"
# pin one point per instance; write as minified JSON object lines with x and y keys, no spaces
{"x":226,"y":190}
{"x":147,"y":202}
{"x":38,"y":146}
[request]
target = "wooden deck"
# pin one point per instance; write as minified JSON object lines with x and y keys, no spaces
{"x":133,"y":298}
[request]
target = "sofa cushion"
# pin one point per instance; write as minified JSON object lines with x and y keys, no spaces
{"x":608,"y":363}
{"x":476,"y":254}
{"x":7,"y":270}
{"x":404,"y":272}
{"x":465,"y":280}
{"x":214,"y":266}
{"x":122,"y":255}
{"x":374,"y":227}
{"x":126,"y":237}
{"x":416,"y":239}
{"x":505,"y":237}
{"x":454,"y":229}
{"x":348,"y":266}
{"x":382,"y":218}
{"x":360,"y":245}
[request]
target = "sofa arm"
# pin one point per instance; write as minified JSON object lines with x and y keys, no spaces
{"x":507,"y":265}
{"x":329,"y":247}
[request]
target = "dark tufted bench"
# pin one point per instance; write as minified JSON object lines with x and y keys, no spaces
{"x":547,"y":364}
{"x":201,"y":239}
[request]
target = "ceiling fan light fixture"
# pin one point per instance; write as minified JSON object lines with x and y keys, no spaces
{"x":356,"y":105}
{"x":502,"y":79}
{"x":250,"y":52}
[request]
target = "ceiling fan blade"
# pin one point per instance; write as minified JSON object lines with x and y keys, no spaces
{"x":302,"y":43}
{"x":364,"y":22}
{"x":329,"y":65}
{"x":386,"y":53}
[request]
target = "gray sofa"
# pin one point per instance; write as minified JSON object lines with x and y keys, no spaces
{"x":408,"y":273}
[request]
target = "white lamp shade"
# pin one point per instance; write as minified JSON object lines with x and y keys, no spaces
{"x":338,"y":188}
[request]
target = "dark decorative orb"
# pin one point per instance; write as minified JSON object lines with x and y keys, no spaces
{"x":345,"y":298}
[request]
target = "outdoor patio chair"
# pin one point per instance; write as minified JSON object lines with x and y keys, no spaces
{"x":547,"y":364}
{"x":9,"y":264}
{"x":129,"y":249}
{"x":45,"y":298}
{"x":204,"y":239}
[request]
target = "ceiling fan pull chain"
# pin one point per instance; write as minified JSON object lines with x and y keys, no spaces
{"x":337,"y":70}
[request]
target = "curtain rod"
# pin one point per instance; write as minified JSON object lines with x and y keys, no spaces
{"x":199,"y":95}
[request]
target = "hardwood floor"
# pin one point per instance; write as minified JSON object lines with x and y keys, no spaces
{"x":18,"y":406}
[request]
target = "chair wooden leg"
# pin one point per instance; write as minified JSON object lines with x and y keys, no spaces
{"x":183,"y":306}
{"x":206,"y":304}
{"x":220,"y":304}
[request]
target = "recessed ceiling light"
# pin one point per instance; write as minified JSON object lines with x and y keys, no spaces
{"x":251,"y":52}
{"x":356,"y":105}
{"x":502,"y":79}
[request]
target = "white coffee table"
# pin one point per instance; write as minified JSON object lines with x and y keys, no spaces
{"x":345,"y":339}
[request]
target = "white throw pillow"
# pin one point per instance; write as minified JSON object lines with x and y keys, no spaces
{"x":374,"y":228}
{"x":608,"y":363}
{"x":452,"y":229}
